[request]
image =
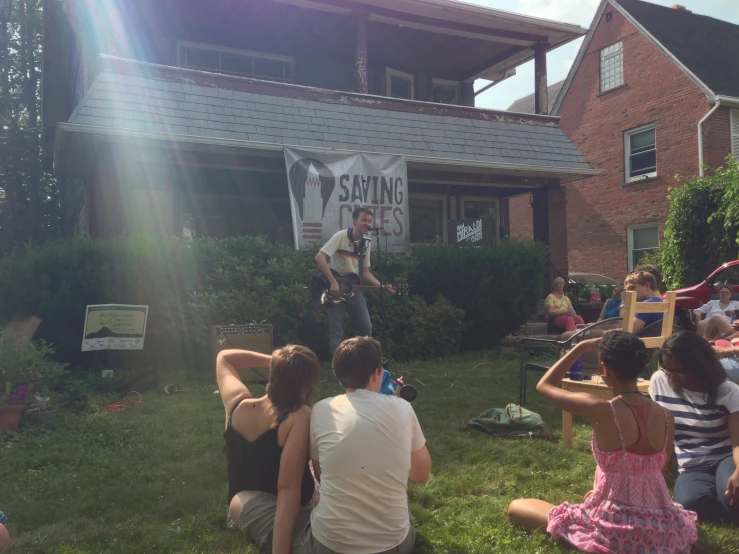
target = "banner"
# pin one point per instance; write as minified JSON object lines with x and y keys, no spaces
{"x":114,"y":327}
{"x":326,"y":187}
{"x":478,"y":231}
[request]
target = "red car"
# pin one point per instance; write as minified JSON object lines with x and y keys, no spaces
{"x":691,"y":298}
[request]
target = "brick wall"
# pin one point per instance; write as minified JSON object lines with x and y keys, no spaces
{"x":717,"y":137}
{"x":520,"y":216}
{"x":656,"y":91}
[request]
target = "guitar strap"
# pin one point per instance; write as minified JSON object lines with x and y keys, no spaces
{"x":361,"y":249}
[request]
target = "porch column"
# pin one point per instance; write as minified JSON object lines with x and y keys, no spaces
{"x":541,"y":94}
{"x":468,"y":94}
{"x":360,"y":54}
{"x":550,"y":226}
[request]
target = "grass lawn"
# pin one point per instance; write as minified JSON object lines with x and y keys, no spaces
{"x":152,"y":478}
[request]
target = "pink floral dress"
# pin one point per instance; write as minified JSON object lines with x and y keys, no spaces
{"x":630,"y":509}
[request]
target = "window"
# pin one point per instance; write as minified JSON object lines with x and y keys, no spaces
{"x":641,"y":240}
{"x":735,"y":132}
{"x":641,"y":153}
{"x":611,"y":67}
{"x":445,"y":92}
{"x":427,"y":218}
{"x":728,"y":276}
{"x":481,"y":206}
{"x":267,"y":67}
{"x":399,"y":84}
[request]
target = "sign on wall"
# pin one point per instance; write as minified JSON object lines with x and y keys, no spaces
{"x":479,"y":231}
{"x":114,"y":327}
{"x":326,"y":187}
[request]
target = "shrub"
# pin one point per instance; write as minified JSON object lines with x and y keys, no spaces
{"x":701,"y":228}
{"x":26,"y":369}
{"x":463,"y":296}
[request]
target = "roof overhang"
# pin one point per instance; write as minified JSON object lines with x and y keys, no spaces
{"x":76,"y":149}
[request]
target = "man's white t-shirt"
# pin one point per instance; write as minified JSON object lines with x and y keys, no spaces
{"x":363,"y":442}
{"x":713,"y":307}
{"x":344,"y":258}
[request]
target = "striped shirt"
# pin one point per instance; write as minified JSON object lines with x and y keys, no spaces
{"x":701,"y":429}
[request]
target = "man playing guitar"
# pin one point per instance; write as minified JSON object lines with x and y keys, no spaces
{"x":343,"y":253}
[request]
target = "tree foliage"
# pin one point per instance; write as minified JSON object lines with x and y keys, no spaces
{"x":702,"y":226}
{"x":28,"y":197}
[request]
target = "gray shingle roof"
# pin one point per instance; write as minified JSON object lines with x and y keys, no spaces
{"x":121,"y":101}
{"x":527,"y":104}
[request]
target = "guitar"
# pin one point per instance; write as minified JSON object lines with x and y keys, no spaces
{"x":349,"y":285}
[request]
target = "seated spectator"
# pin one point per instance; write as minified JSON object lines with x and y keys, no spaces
{"x":718,"y":314}
{"x":629,"y":508}
{"x":645,"y":286}
{"x":267,"y":443}
{"x":365,"y":447}
{"x":559,"y":308}
{"x":612,"y":305}
{"x":693,"y":385}
{"x":656,"y":273}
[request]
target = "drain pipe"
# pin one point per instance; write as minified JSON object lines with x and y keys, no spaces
{"x":700,"y":135}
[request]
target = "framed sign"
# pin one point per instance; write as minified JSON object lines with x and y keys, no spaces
{"x":114,"y":327}
{"x":479,"y":231}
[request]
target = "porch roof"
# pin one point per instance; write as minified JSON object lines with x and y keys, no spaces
{"x":181,"y":104}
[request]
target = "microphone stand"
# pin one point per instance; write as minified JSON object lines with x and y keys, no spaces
{"x":383,"y":318}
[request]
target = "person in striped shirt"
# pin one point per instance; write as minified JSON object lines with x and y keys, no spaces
{"x":693,"y":385}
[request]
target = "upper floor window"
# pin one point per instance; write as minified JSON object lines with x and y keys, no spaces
{"x":399,"y":84}
{"x":611,"y":67}
{"x":641,"y":153}
{"x":445,"y":92}
{"x":735,"y":132}
{"x":257,"y":65}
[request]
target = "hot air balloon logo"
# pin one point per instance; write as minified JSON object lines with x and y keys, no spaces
{"x":312,"y":184}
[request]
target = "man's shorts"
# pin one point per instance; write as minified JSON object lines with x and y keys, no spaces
{"x":257,"y":522}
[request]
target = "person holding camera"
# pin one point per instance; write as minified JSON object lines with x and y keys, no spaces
{"x":365,"y":446}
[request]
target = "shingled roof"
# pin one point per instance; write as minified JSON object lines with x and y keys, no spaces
{"x":163,"y":101}
{"x":708,"y":47}
{"x":527,"y":104}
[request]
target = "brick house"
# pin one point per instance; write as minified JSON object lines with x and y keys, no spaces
{"x":653,"y":93}
{"x":161,"y":112}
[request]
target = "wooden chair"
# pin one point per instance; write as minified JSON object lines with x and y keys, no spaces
{"x":667,"y":308}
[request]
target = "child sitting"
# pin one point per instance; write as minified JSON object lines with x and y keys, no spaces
{"x":629,"y":508}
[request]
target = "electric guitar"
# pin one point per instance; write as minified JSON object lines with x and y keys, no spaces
{"x":349,"y":285}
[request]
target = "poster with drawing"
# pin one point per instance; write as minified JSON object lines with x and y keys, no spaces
{"x":114,"y":327}
{"x":325,"y":187}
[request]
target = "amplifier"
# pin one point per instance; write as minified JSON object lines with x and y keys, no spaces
{"x":254,"y":337}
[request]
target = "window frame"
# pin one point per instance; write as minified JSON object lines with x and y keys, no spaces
{"x":389,"y":73}
{"x":289,"y":60}
{"x":627,"y":154}
{"x":630,"y":242}
{"x":734,"y":130}
{"x":495,"y":199}
{"x":444,"y":211}
{"x":447,"y":82}
{"x":600,"y":67}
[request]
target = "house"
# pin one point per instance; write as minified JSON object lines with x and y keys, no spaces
{"x":172,"y":115}
{"x":653,"y":93}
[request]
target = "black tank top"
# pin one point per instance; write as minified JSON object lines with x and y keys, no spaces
{"x":255,"y":466}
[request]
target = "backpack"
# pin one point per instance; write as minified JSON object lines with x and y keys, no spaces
{"x":513,"y":421}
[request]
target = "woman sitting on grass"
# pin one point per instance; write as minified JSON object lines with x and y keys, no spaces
{"x":267,"y":442}
{"x":629,"y":508}
{"x":693,"y":385}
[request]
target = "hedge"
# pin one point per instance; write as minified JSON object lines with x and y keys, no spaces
{"x":460,"y":297}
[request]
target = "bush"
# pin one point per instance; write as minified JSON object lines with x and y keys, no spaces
{"x":497,"y":287}
{"x":701,"y":228}
{"x":25,"y":370}
{"x":190,"y":285}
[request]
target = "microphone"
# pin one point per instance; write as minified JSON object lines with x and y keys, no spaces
{"x":375,"y":229}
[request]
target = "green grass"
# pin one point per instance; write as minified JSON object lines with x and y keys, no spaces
{"x":152,"y":479}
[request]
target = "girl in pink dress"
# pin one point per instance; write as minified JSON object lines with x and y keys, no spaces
{"x":630,"y":508}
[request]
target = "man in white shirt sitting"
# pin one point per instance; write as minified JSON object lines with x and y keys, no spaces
{"x":365,"y":446}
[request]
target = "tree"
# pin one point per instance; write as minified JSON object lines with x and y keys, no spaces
{"x":702,"y":226}
{"x":29,"y":200}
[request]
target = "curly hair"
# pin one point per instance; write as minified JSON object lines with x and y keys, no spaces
{"x":623,"y":353}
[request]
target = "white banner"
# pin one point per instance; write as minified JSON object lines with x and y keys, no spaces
{"x":114,"y":327}
{"x":326,"y":187}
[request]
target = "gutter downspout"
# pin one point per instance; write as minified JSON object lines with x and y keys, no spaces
{"x":700,"y":135}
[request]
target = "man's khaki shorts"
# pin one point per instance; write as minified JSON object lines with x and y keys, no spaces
{"x":257,"y":522}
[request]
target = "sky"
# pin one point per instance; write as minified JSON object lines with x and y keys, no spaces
{"x":579,"y":12}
